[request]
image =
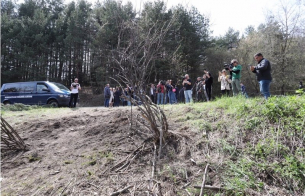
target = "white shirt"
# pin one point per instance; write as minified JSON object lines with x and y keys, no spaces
{"x":224,"y":82}
{"x":74,"y":89}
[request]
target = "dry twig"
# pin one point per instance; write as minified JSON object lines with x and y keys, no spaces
{"x":10,"y":140}
{"x":121,"y":191}
{"x":203,"y":180}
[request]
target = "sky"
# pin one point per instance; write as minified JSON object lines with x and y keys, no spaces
{"x":237,"y":14}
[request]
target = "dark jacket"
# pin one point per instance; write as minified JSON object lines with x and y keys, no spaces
{"x":107,"y":93}
{"x":117,"y":95}
{"x":263,"y":70}
{"x":209,"y":81}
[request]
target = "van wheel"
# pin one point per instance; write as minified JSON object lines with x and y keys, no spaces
{"x":6,"y":103}
{"x":53,"y":103}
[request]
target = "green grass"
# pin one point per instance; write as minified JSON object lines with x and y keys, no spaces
{"x":262,"y":141}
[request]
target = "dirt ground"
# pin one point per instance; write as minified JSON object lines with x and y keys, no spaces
{"x":94,"y":151}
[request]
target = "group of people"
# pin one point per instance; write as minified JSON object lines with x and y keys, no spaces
{"x":166,"y":92}
{"x":263,"y":76}
{"x":203,"y":86}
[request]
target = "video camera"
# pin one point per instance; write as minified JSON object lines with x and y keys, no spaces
{"x":228,"y":66}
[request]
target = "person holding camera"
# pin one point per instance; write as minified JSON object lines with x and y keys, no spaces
{"x":187,"y":85}
{"x":75,"y":87}
{"x":225,"y":81}
{"x":236,"y":74}
{"x":263,"y":74}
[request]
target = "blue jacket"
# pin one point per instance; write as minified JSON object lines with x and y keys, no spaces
{"x":263,"y":70}
{"x":107,"y":93}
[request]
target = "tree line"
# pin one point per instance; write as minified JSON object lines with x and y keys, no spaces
{"x":49,"y":40}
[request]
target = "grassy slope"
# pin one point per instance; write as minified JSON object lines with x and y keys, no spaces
{"x":261,"y":143}
{"x":253,"y":146}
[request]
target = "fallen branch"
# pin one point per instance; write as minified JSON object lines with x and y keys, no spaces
{"x":214,"y":188}
{"x":125,"y":159}
{"x":10,"y":139}
{"x":186,"y":185}
{"x":203,"y":180}
{"x":121,"y":191}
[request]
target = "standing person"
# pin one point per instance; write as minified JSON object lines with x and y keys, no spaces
{"x":199,"y":89}
{"x":130,"y":94}
{"x":204,"y":89}
{"x":236,"y":73}
{"x":225,"y":81}
{"x":301,"y":85}
{"x":152,"y":93}
{"x":117,"y":97}
{"x":263,"y":74}
{"x":165,"y":92}
{"x":176,"y":93}
{"x":111,"y":100}
{"x":181,"y":96}
{"x":170,"y":92}
{"x":187,"y":85}
{"x":107,"y":95}
{"x":124,"y":96}
{"x":208,"y":83}
{"x":160,"y":91}
{"x":75,"y":87}
{"x":243,"y":90}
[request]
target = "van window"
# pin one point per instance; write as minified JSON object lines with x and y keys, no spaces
{"x":11,"y":88}
{"x":27,"y":87}
{"x":40,"y":88}
{"x":58,"y":86}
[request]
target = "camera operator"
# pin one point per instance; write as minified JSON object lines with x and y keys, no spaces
{"x":187,"y":84}
{"x":236,"y":74}
{"x":75,"y":87}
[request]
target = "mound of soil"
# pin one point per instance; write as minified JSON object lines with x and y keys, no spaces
{"x":95,"y":151}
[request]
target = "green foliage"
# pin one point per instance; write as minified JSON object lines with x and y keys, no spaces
{"x":240,"y":176}
{"x":300,"y":91}
{"x":287,"y":106}
{"x":292,"y":169}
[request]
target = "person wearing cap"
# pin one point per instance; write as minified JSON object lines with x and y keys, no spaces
{"x":263,"y":74}
{"x":225,"y":81}
{"x":236,"y":75}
